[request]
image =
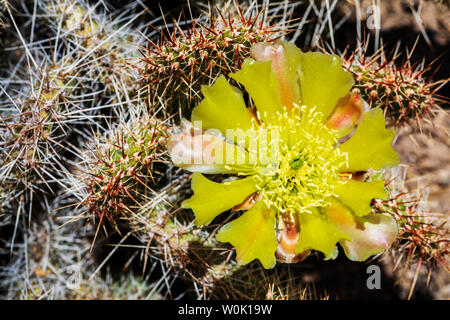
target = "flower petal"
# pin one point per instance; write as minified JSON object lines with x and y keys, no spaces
{"x":318,"y":233}
{"x":323,"y":81}
{"x":285,"y":59}
{"x":261,"y":83}
{"x":368,"y":235}
{"x":222,"y":108}
{"x":212,"y":198}
{"x":358,"y":195}
{"x":206,"y":152}
{"x":371,"y":145}
{"x":253,"y":235}
{"x":348,"y":112}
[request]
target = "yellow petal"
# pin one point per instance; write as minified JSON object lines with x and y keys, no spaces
{"x":318,"y":233}
{"x":222,"y":108}
{"x":285,"y":58}
{"x":253,"y":235}
{"x":261,"y":83}
{"x":368,"y":235}
{"x":212,"y":198}
{"x":323,"y":81}
{"x":358,"y":195}
{"x":371,"y":145}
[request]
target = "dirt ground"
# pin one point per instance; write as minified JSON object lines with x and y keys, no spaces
{"x":427,"y":157}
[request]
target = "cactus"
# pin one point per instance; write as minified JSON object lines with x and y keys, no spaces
{"x":423,"y":246}
{"x":43,"y":124}
{"x":33,"y":130}
{"x":102,"y":51}
{"x":53,"y":262}
{"x":402,"y":90}
{"x":424,"y":236}
{"x":128,"y":165}
{"x":125,"y":183}
{"x":175,"y":68}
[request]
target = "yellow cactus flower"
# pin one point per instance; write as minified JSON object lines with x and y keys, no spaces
{"x":294,"y":153}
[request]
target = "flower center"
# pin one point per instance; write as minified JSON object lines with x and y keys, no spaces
{"x":308,"y":164}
